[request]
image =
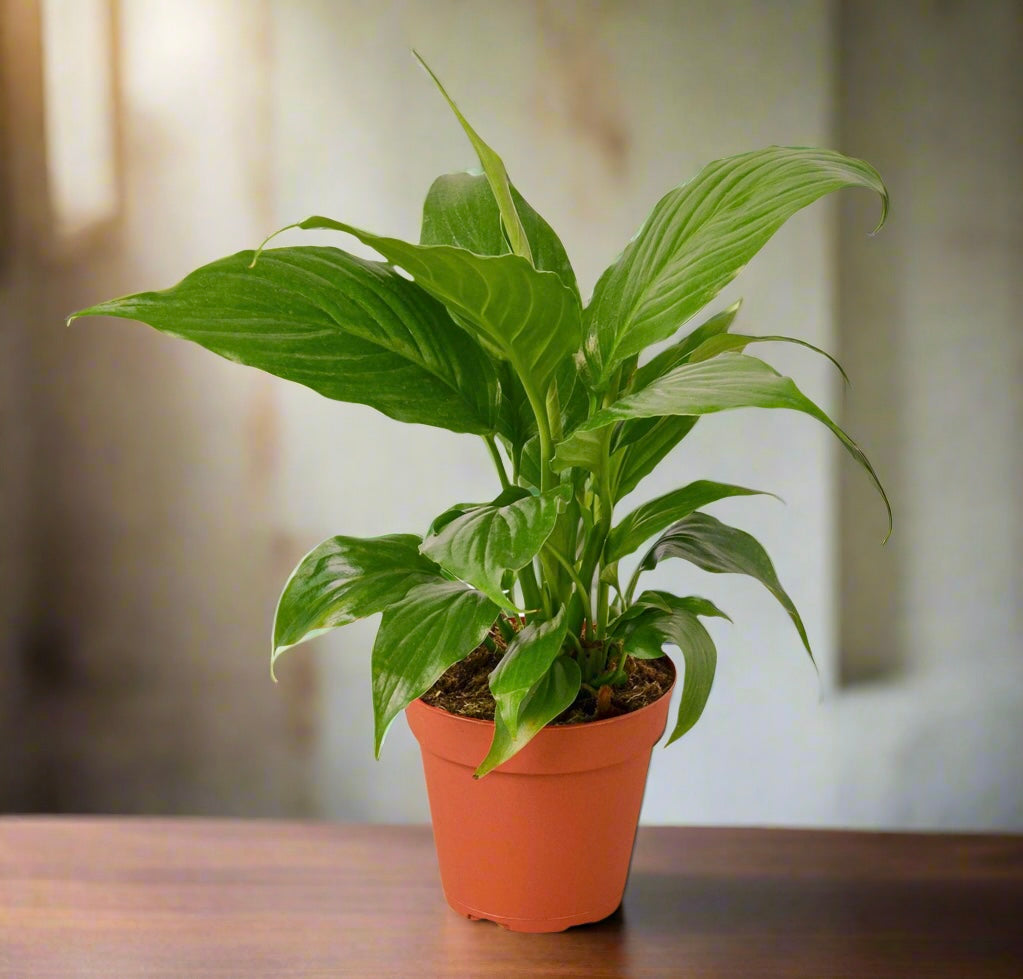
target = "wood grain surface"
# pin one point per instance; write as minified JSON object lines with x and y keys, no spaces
{"x":117,"y":897}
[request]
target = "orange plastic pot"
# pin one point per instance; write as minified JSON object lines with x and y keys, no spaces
{"x":544,"y":841}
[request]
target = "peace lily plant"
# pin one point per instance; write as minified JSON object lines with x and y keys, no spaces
{"x":480,"y":328}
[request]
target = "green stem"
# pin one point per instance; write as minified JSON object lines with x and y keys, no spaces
{"x":498,"y":462}
{"x":530,"y":589}
{"x":602,"y":593}
{"x":543,"y":429}
{"x":582,"y":589}
{"x":632,"y":584}
{"x":619,"y":673}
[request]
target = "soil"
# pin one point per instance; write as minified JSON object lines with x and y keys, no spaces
{"x":464,"y":690}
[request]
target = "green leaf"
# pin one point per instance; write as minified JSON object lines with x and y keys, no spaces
{"x":497,"y":175}
{"x":639,"y":627}
{"x":351,"y":329}
{"x":434,"y":626}
{"x":697,"y":239}
{"x":654,"y":598}
{"x":526,"y":316}
{"x":651,"y":518}
{"x":528,"y":658}
{"x":643,"y":638}
{"x":738,"y":342}
{"x":460,"y":210}
{"x":649,"y":440}
{"x":481,"y":544}
{"x":728,"y":381}
{"x":685,"y":630}
{"x":679,"y":353}
{"x":551,"y":695}
{"x":344,"y":579}
{"x":509,"y":495}
{"x":584,"y":451}
{"x":719,"y":548}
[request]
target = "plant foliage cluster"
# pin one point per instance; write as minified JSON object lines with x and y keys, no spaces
{"x":486,"y":333}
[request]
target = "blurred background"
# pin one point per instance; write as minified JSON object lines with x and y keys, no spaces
{"x":153,"y":498}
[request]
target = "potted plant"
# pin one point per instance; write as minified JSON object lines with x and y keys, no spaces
{"x":530,"y":664}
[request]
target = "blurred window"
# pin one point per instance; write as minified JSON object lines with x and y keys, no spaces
{"x":79,"y":90}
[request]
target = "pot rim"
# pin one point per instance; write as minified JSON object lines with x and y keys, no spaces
{"x":575,"y":725}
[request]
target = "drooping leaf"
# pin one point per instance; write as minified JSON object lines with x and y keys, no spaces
{"x":640,"y":630}
{"x":529,"y":317}
{"x":716,"y":547}
{"x":679,"y":353}
{"x":496,"y":173}
{"x":344,"y":579}
{"x":684,"y":629}
{"x":552,"y":694}
{"x":351,"y":329}
{"x":654,"y":598}
{"x":482,"y":544}
{"x":525,"y":662}
{"x":738,"y":342}
{"x":699,"y":236}
{"x":460,"y":210}
{"x":434,"y":626}
{"x":728,"y":381}
{"x":649,"y":440}
{"x":651,"y":518}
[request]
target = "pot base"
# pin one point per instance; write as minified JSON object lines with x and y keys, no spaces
{"x":533,"y":925}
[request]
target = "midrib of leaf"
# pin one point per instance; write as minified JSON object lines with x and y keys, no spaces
{"x":678,"y":224}
{"x":357,"y":295}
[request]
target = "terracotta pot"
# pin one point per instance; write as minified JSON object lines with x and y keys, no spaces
{"x":544,"y":842}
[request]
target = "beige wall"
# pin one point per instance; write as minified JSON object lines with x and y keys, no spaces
{"x":154,"y":557}
{"x":159,"y":496}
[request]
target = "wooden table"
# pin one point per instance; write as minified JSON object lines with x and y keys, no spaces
{"x":194,"y":897}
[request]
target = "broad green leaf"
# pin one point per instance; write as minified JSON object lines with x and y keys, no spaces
{"x":738,"y":342}
{"x":697,"y":239}
{"x":351,"y":329}
{"x":685,"y":630}
{"x":480,"y":545}
{"x":719,"y":548}
{"x":434,"y":626}
{"x":679,"y":353}
{"x":497,"y":175}
{"x":344,"y":579}
{"x":528,"y":658}
{"x":529,"y":317}
{"x":728,"y":381}
{"x":551,"y":695}
{"x":460,"y":210}
{"x":647,"y":442}
{"x":651,"y":518}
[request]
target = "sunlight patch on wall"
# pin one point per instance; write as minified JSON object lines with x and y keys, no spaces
{"x":81,"y":119}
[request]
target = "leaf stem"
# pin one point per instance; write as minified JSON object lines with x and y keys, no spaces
{"x":633,"y":581}
{"x":498,"y":462}
{"x":530,"y":589}
{"x":582,"y":589}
